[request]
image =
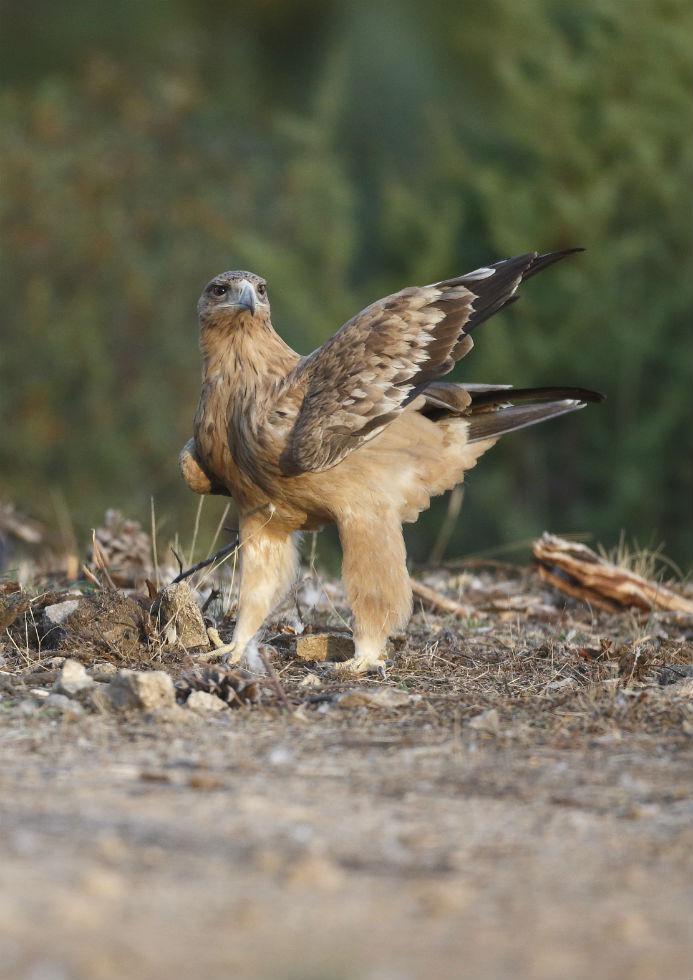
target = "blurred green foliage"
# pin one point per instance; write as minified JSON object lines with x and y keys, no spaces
{"x":344,"y":150}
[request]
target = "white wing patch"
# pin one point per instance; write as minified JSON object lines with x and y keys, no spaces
{"x":483,"y":273}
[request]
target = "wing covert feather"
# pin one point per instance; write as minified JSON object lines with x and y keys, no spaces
{"x":362,"y":378}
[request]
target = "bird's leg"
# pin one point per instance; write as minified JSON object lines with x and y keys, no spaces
{"x":375,"y":575}
{"x":269,"y":564}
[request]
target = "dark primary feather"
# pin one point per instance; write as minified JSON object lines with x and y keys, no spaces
{"x":498,"y":290}
{"x":360,"y":380}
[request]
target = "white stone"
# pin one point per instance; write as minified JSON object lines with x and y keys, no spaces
{"x":56,"y":614}
{"x":72,"y":679}
{"x":204,"y":703}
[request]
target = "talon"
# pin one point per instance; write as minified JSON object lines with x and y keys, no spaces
{"x":361,"y":665}
{"x":232,"y":654}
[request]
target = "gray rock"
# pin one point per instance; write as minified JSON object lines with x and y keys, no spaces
{"x":684,"y":689}
{"x":563,"y":684}
{"x":72,"y":679}
{"x":64,"y":705}
{"x":205,"y":703}
{"x":675,"y":673}
{"x":141,"y":690}
{"x":27,"y":707}
{"x":96,"y":698}
{"x":56,"y":614}
{"x":102,"y":671}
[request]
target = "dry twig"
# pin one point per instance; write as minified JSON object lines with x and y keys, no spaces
{"x":273,"y":678}
{"x":222,"y":553}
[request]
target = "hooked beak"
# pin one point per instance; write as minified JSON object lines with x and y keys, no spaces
{"x":247,"y":299}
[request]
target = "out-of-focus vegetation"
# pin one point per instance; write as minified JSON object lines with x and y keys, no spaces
{"x":343,"y":151}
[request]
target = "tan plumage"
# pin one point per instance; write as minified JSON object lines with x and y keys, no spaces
{"x":361,"y":433}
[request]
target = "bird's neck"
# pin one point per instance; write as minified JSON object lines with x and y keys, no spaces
{"x":245,"y":351}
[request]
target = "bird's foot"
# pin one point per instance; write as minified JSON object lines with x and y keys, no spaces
{"x":226,"y":653}
{"x":361,"y":665}
{"x":232,"y":654}
{"x":246,"y":655}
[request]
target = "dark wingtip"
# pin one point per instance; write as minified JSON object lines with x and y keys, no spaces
{"x":548,"y":258}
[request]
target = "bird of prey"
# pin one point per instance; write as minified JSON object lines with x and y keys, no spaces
{"x":361,"y":433}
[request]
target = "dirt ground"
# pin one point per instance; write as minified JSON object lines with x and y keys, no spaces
{"x":520,"y":804}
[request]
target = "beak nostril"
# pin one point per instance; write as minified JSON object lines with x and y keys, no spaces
{"x":247,"y":297}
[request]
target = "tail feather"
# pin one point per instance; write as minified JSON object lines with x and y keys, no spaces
{"x":491,"y":397}
{"x":493,"y":414}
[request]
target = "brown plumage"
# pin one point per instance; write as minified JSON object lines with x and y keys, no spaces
{"x":360,"y":433}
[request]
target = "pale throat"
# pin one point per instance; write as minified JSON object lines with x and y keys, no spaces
{"x":242,"y":350}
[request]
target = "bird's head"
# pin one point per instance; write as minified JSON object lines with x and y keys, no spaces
{"x":233,"y":299}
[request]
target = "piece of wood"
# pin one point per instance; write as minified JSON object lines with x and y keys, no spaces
{"x":578,"y":571}
{"x":577,"y":592}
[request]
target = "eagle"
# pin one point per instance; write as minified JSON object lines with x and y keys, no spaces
{"x":361,"y":433}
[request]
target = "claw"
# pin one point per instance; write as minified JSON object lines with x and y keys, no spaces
{"x":361,"y":665}
{"x":231,"y":654}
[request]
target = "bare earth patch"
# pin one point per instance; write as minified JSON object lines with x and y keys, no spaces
{"x":513,"y":800}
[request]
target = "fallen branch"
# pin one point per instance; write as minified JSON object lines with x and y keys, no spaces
{"x":440,"y":601}
{"x":575,"y":591}
{"x":576,"y":570}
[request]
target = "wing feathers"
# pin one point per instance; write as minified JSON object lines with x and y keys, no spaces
{"x":383,"y":358}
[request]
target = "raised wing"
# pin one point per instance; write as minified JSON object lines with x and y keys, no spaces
{"x":352,"y":387}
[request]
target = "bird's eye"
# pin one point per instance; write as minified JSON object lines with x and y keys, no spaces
{"x":218,"y":290}
{"x":261,"y":289}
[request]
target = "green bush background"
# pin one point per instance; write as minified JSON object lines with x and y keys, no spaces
{"x":344,"y":150}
